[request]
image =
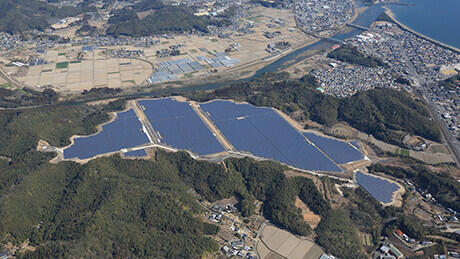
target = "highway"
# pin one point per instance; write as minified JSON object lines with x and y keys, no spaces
{"x":450,"y":140}
{"x":421,"y":84}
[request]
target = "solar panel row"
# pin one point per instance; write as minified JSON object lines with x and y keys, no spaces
{"x":340,"y":151}
{"x":382,"y":190}
{"x":179,"y":126}
{"x":124,"y":132}
{"x":262,"y":132}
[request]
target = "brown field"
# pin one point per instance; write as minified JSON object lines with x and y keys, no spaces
{"x":277,"y":243}
{"x":309,"y":216}
{"x":87,"y":74}
{"x":98,"y":70}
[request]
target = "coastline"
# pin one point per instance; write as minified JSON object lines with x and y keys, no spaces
{"x":404,"y":27}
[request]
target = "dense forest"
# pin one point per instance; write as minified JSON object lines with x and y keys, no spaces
{"x":112,"y":207}
{"x":162,"y":19}
{"x":17,"y":16}
{"x":26,"y":97}
{"x":352,"y":55}
{"x":385,"y":113}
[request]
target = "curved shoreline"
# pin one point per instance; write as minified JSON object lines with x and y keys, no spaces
{"x":406,"y":28}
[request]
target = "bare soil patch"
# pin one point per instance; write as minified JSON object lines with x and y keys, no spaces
{"x":309,"y":216}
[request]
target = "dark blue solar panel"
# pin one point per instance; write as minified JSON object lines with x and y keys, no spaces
{"x":262,"y":132}
{"x":340,"y":151}
{"x":224,"y":110}
{"x":355,"y":144}
{"x":180,"y":127}
{"x":200,"y":137}
{"x":221,"y":110}
{"x":140,"y":152}
{"x":382,"y":190}
{"x":171,"y":134}
{"x":250,"y":110}
{"x":155,"y":110}
{"x":291,"y":143}
{"x":244,"y":137}
{"x":180,"y":109}
{"x":124,"y":132}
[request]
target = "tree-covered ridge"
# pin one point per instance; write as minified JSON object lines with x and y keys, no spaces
{"x":17,"y":16}
{"x":112,"y":207}
{"x":385,"y":113}
{"x":163,"y":19}
{"x":352,"y":55}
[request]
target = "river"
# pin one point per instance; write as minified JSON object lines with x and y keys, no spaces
{"x":366,"y":18}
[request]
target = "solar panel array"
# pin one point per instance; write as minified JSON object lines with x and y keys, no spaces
{"x":339,"y":151}
{"x":263,"y":133}
{"x":124,"y":132}
{"x":179,"y":126}
{"x":382,"y":190}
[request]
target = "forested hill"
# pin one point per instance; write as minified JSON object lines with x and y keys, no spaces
{"x":385,"y":113}
{"x":352,"y":55}
{"x":17,"y":16}
{"x":162,"y":19}
{"x":119,"y":208}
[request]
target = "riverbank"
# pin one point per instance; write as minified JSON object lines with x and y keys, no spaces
{"x":404,"y":27}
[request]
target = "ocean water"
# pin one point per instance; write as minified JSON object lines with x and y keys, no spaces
{"x":437,"y":19}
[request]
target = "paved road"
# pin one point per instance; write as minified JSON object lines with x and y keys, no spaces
{"x":447,"y":136}
{"x":450,"y":140}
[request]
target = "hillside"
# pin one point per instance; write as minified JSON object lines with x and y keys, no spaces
{"x":162,"y":19}
{"x":112,"y":207}
{"x":17,"y":16}
{"x":352,"y":55}
{"x":385,"y":113}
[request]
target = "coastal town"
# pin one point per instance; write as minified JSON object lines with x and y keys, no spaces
{"x":321,"y":17}
{"x":420,"y":62}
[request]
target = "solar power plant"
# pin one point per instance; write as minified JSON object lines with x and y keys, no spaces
{"x":179,"y":126}
{"x":263,"y":133}
{"x":339,"y":151}
{"x":382,"y":190}
{"x":124,"y":132}
{"x":355,"y":144}
{"x":135,"y":153}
